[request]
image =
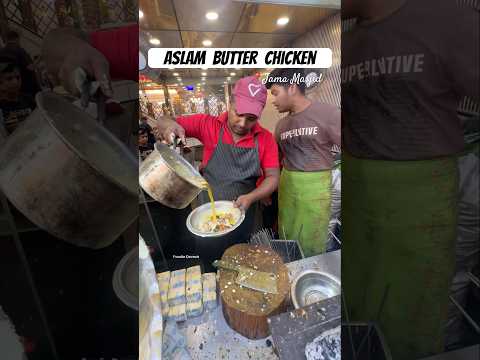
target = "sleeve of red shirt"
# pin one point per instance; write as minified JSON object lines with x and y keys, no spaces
{"x":120,"y":47}
{"x":270,"y":153}
{"x":269,"y":158}
{"x":195,"y":125}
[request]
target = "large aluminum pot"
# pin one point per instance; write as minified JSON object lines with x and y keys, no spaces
{"x":170,"y":179}
{"x":69,"y":175}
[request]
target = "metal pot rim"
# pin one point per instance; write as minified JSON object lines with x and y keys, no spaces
{"x":128,"y":155}
{"x":293,"y":287}
{"x":182,"y":160}
{"x":218,"y":234}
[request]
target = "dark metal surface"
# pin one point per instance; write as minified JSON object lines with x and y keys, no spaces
{"x":328,"y":263}
{"x":293,"y":330}
{"x":21,"y":252}
{"x":469,"y":353}
{"x":364,"y":341}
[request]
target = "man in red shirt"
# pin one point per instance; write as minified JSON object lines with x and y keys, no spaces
{"x":237,"y":150}
{"x":103,"y":54}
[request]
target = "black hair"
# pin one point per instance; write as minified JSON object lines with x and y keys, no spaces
{"x":12,"y":35}
{"x":287,"y":77}
{"x":7,"y":65}
{"x":143,"y":129}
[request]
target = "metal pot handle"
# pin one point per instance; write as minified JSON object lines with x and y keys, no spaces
{"x":86,"y":85}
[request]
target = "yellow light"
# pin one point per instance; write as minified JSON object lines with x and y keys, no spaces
{"x":283,"y":21}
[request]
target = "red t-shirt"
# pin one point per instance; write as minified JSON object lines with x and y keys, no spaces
{"x":206,"y":128}
{"x":120,"y":47}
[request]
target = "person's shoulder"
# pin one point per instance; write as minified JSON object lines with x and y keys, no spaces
{"x":201,"y":117}
{"x":438,"y":13}
{"x":116,"y":30}
{"x":321,"y":106}
{"x":264,"y":133}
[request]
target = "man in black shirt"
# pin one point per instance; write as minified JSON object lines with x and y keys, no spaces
{"x":15,"y":106}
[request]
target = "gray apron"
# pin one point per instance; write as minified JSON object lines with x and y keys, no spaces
{"x":231,"y":172}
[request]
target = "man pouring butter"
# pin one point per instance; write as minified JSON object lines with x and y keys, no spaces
{"x":237,"y":150}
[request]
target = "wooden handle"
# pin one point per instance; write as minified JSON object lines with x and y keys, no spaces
{"x":225,"y":265}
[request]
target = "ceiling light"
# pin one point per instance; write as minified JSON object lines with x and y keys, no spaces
{"x":212,"y":15}
{"x":154,"y":41}
{"x":232,"y":74}
{"x":229,"y":78}
{"x":140,"y":14}
{"x":171,"y":68}
{"x":175,"y":74}
{"x":205,"y":68}
{"x":203,"y":83}
{"x":204,"y":74}
{"x":207,"y":43}
{"x":282,"y":21}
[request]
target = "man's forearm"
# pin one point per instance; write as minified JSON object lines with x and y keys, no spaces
{"x":53,"y":53}
{"x":266,"y":188}
{"x":164,"y":122}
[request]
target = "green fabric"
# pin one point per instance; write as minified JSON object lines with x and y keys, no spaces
{"x":304,"y":208}
{"x":398,"y":231}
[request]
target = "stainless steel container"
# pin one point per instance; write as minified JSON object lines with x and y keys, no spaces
{"x":312,"y":286}
{"x":69,"y":175}
{"x":169,"y":179}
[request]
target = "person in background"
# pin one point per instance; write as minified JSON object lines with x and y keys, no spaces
{"x":145,"y":147}
{"x":305,"y":138}
{"x":145,"y":124}
{"x":23,"y":60}
{"x":404,"y":73}
{"x":238,"y":151}
{"x":15,"y":106}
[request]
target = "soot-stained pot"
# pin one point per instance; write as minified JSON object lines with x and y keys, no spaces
{"x":169,"y":179}
{"x":69,"y":175}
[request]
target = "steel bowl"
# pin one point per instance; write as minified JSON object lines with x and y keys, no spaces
{"x":201,"y":213}
{"x":125,"y":279}
{"x":312,"y":286}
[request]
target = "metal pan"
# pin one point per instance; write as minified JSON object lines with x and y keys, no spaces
{"x":69,"y":175}
{"x":169,"y":179}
